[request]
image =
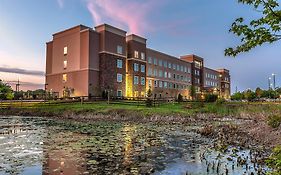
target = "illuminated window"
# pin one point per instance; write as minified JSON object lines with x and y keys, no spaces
{"x":119,"y":49}
{"x":119,"y":63}
{"x":165,"y":74}
{"x":64,"y":78}
{"x":136,"y":54}
{"x":142,"y":81}
{"x":198,"y":64}
{"x":65,"y":50}
{"x":136,"y":67}
{"x":143,"y":56}
{"x":165,"y":84}
{"x":169,"y":75}
{"x":143,"y":68}
{"x":150,"y":83}
{"x":136,"y":80}
{"x":119,"y":78}
{"x":64,"y":64}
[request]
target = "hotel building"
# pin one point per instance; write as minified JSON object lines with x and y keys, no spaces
{"x":82,"y":61}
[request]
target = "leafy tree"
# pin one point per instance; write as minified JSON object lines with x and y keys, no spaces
{"x":211,"y":97}
{"x":6,"y":92}
{"x":259,"y":31}
{"x":237,"y":96}
{"x":148,"y":99}
{"x":180,"y":98}
{"x":192,"y":92}
{"x":258,"y":92}
{"x":250,"y":95}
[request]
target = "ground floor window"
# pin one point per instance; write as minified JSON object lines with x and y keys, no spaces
{"x":119,"y":93}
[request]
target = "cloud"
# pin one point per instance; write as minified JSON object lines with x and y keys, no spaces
{"x":60,"y":3}
{"x":22,"y":71}
{"x":122,"y":13}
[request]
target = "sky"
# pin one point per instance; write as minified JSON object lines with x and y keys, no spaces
{"x":176,"y":27}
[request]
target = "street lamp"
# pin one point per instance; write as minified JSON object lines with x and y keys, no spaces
{"x":269,"y":83}
{"x":274,"y":82}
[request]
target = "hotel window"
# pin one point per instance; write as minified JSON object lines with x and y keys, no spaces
{"x":136,"y":67}
{"x":150,"y":71}
{"x":142,"y":56}
{"x":165,"y":74}
{"x":178,"y":67}
{"x":136,"y":80}
{"x":155,"y":61}
{"x":189,"y":70}
{"x":150,"y":83}
{"x":174,"y":66}
{"x":182,"y":68}
{"x":65,"y":50}
{"x":64,"y":78}
{"x":165,"y":84}
{"x":149,"y":60}
{"x":143,"y":68}
{"x":64,"y":64}
{"x":119,"y":78}
{"x":155,"y":83}
{"x":198,"y":64}
{"x":160,"y":84}
{"x":185,"y":69}
{"x":136,"y":54}
{"x":160,"y":73}
{"x":160,"y":63}
{"x":155,"y":72}
{"x":119,"y":63}
{"x":169,"y":65}
{"x":119,"y":93}
{"x":165,"y":64}
{"x":169,"y":75}
{"x":119,"y":49}
{"x":142,"y":81}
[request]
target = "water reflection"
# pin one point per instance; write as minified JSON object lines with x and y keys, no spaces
{"x":48,"y":147}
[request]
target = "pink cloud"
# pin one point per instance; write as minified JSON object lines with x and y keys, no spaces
{"x":130,"y":14}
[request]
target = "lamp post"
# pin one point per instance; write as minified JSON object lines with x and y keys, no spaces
{"x":274,"y":82}
{"x":269,"y":83}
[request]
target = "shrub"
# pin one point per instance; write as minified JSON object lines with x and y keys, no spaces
{"x":274,"y":121}
{"x":211,"y":98}
{"x":274,"y":161}
{"x":180,"y":98}
{"x":220,"y":101}
{"x":148,"y":99}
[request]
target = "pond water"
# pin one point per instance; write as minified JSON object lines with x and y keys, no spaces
{"x":40,"y":146}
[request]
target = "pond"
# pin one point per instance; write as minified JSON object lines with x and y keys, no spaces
{"x":44,"y":146}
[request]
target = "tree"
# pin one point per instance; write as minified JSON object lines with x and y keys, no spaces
{"x":258,"y":92}
{"x":250,"y":95}
{"x":237,"y":96}
{"x":6,"y":92}
{"x":259,"y":31}
{"x":148,"y":99}
{"x":192,"y":92}
{"x":211,"y":97}
{"x":180,"y":98}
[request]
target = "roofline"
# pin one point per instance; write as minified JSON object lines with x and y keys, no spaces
{"x":80,"y":25}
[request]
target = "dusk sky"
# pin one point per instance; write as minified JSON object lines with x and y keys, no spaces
{"x":176,"y":27}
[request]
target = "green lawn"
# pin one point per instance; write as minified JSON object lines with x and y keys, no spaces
{"x":183,"y":109}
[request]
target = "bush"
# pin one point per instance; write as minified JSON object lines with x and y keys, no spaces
{"x":274,"y":161}
{"x":220,"y":101}
{"x":180,"y":98}
{"x":211,"y":98}
{"x":149,"y":101}
{"x":274,"y":121}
